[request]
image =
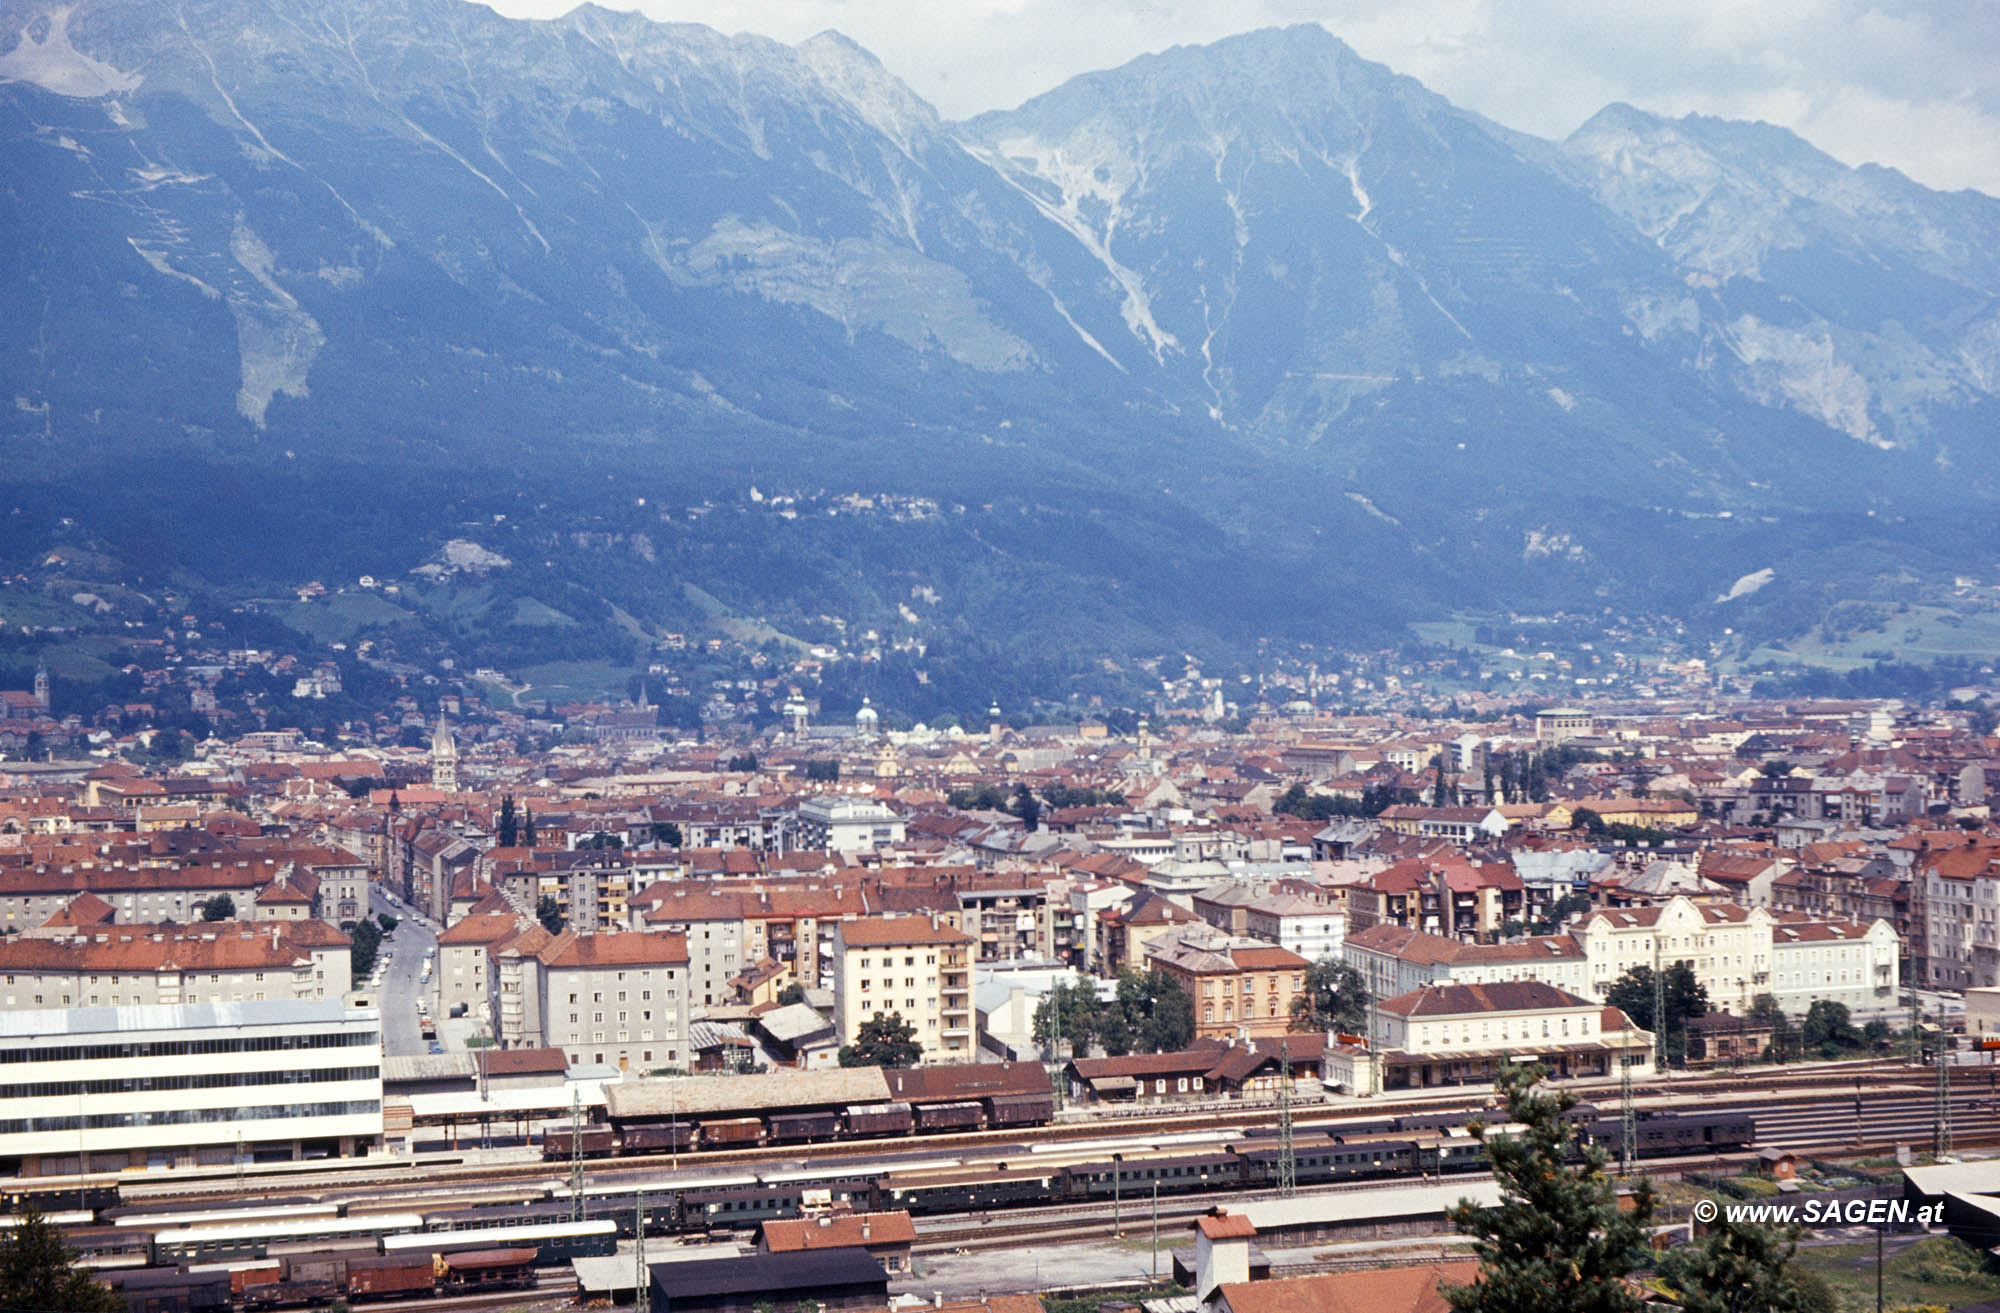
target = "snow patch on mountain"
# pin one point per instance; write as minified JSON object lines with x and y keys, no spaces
{"x":1656,"y":317}
{"x":863,"y":283}
{"x":1748,"y":584}
{"x":1362,"y":501}
{"x":161,"y":265}
{"x":1548,"y":544}
{"x":45,"y":57}
{"x":1090,"y":186}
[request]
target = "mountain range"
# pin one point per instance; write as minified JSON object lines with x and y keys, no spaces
{"x":1255,"y":339}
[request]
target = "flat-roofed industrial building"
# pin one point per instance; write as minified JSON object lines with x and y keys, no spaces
{"x":112,"y":1089}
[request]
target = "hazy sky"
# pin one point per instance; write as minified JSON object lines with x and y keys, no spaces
{"x":1910,"y":83}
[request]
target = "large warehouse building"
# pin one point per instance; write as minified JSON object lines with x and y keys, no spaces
{"x":107,"y":1089}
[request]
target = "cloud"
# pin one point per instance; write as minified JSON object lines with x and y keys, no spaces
{"x":1907,"y":83}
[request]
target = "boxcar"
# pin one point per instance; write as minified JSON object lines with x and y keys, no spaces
{"x":731,"y":1131}
{"x":331,"y":1268}
{"x":289,"y":1294}
{"x":950,"y":1116}
{"x":645,"y":1137}
{"x":879,"y":1119}
{"x":392,"y":1274}
{"x":597,"y":1142}
{"x":1020,"y":1109}
{"x":804,"y":1127}
{"x":171,"y":1290}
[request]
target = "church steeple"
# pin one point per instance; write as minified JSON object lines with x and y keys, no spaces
{"x":444,"y":758}
{"x":41,"y":686}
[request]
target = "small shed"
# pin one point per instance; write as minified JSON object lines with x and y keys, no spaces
{"x":1778,"y":1164}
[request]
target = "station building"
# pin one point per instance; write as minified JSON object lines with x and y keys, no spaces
{"x":1454,"y":1034}
{"x":157,"y":1086}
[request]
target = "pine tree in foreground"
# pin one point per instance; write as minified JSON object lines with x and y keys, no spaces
{"x":1557,"y":1242}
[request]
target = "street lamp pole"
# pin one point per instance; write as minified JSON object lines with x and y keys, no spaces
{"x":1156,"y":1228}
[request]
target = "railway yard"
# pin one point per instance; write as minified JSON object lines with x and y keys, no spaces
{"x":479,"y":1227}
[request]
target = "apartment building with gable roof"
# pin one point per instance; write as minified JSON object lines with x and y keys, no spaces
{"x":915,"y":966}
{"x":619,"y":999}
{"x":1238,"y":986}
{"x":145,"y":965}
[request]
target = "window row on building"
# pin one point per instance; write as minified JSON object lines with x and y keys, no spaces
{"x":191,"y":1116}
{"x":185,"y":1048}
{"x":206,"y":1081}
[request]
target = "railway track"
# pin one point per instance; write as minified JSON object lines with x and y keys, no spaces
{"x":554,"y":1288}
{"x":1105,"y":1122}
{"x":1794,"y":1109}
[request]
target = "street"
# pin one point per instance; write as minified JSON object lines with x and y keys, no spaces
{"x":401,"y":987}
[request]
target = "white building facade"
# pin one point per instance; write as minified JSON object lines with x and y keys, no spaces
{"x":111,"y":1089}
{"x":1853,"y":965}
{"x":1314,"y":930}
{"x":846,"y":825}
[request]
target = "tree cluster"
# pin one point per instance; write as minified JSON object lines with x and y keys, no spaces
{"x":549,"y":912}
{"x":1022,"y":802}
{"x":367,"y":946}
{"x":1309,"y":806}
{"x":1632,"y":836}
{"x":219,"y":908}
{"x":1335,"y":999}
{"x":1148,"y":1013}
{"x":1682,"y":998}
{"x":883,"y":1041}
{"x":1550,"y":922}
{"x":1058,"y":796}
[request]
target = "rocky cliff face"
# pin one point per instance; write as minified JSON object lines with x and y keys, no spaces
{"x":1264,"y":271}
